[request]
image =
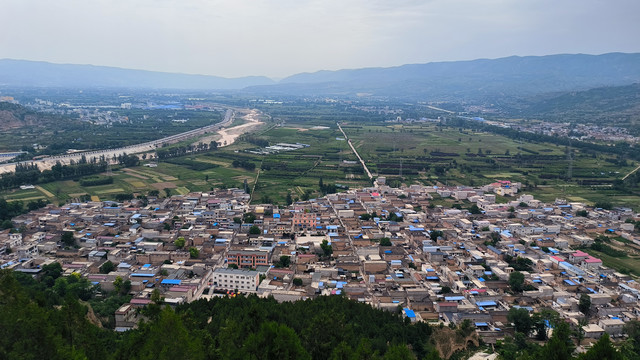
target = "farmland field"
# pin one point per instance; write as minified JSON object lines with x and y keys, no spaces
{"x":425,"y":153}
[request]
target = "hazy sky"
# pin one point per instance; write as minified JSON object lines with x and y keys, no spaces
{"x":282,"y":37}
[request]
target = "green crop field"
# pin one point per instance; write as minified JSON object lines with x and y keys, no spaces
{"x":432,"y":154}
{"x":423,"y":153}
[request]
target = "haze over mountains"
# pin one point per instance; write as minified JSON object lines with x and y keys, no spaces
{"x":476,"y":78}
{"x":527,"y":75}
{"x":43,"y":74}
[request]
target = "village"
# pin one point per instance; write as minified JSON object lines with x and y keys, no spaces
{"x":388,"y":247}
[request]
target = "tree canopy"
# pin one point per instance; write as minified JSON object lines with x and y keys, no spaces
{"x":516,"y":281}
{"x":45,"y":319}
{"x":33,"y":326}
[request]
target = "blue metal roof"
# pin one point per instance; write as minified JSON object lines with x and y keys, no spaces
{"x":171,"y":282}
{"x":486,"y":303}
{"x":454,"y":298}
{"x":410,"y":313}
{"x":492,"y":248}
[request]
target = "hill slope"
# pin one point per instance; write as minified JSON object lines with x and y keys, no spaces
{"x":14,"y":116}
{"x":613,"y":106}
{"x":43,"y":74}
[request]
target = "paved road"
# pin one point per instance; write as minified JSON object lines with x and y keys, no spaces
{"x":47,"y":163}
{"x":439,"y":109}
{"x":355,"y":152}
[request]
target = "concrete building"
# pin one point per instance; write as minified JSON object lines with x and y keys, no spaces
{"x":612,"y":327}
{"x":248,"y":258}
{"x":242,"y":280}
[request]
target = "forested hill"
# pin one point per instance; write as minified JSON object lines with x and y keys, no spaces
{"x":48,"y":319}
{"x":58,"y":317}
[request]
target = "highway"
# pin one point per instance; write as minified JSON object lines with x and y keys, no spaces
{"x":47,"y":163}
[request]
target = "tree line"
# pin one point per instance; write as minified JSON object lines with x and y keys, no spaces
{"x":47,"y":318}
{"x":181,"y":150}
{"x":29,"y":173}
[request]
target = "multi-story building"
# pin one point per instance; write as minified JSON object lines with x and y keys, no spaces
{"x":304,"y":220}
{"x":126,"y":317}
{"x":242,"y":280}
{"x":248,"y":258}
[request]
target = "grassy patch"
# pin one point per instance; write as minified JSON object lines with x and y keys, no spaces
{"x":621,"y":264}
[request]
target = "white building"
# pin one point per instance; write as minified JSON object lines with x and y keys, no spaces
{"x":243,"y":280}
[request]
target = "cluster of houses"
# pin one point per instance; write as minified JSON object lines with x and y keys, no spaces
{"x":389,"y":247}
{"x":580,"y":131}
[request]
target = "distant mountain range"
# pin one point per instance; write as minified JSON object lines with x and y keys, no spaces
{"x":508,"y":76}
{"x":25,"y":73}
{"x":484,"y":78}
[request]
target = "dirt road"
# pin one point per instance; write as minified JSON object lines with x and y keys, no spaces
{"x":228,"y":136}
